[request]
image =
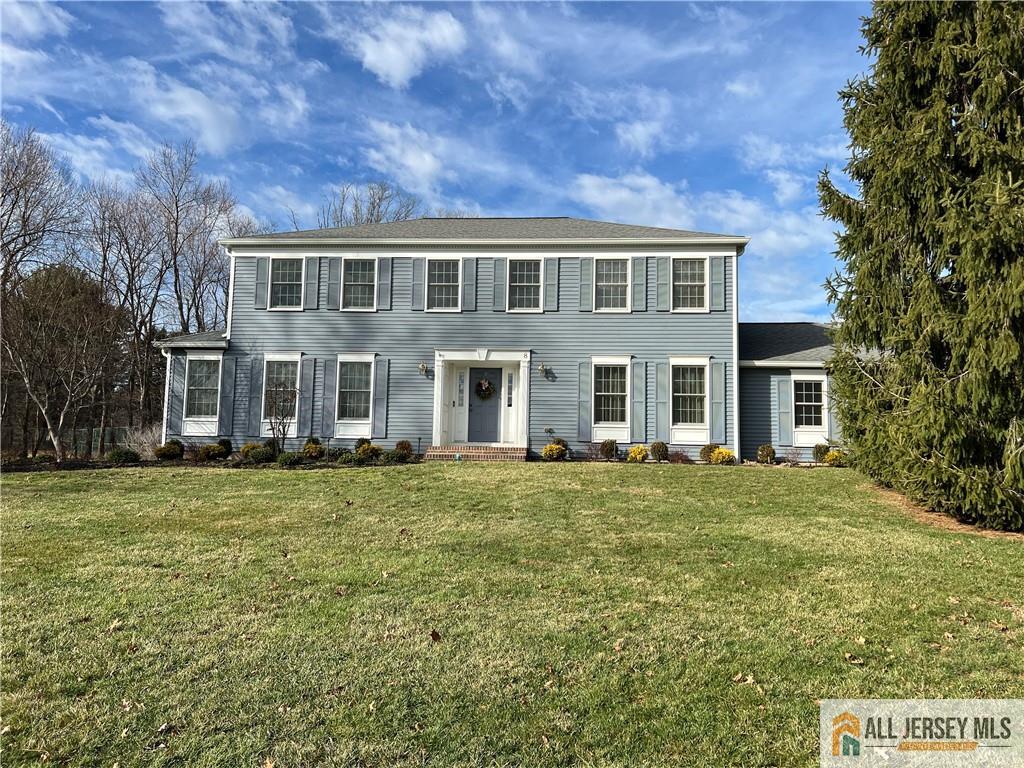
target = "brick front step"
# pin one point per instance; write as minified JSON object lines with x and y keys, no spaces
{"x":475,"y":453}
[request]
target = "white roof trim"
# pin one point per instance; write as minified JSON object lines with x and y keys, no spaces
{"x":450,"y":241}
{"x":782,"y":363}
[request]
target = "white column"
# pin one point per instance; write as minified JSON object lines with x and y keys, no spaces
{"x":439,"y":375}
{"x":523,"y":427}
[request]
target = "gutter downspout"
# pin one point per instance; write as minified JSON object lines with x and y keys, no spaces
{"x":167,"y":391}
{"x":736,"y":353}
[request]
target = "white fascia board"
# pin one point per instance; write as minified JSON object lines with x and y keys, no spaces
{"x":782,"y":363}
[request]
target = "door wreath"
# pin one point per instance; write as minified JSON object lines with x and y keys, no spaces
{"x":484,"y":389}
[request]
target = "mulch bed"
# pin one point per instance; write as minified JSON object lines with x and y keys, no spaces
{"x":939,"y":519}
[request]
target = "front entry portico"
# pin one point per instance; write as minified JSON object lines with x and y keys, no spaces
{"x":464,"y":413}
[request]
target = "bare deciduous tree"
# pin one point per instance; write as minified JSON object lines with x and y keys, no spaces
{"x":59,"y":332}
{"x":376,"y":202}
{"x":39,"y":205}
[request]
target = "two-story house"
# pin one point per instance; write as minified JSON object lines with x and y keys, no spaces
{"x":487,"y":337}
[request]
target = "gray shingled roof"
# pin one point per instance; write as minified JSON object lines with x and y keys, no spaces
{"x":204,"y":340}
{"x":801,"y":342}
{"x":539,"y":228}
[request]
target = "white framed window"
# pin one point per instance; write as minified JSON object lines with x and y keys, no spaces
{"x":610,"y":391}
{"x":810,"y":408}
{"x":689,"y":392}
{"x":281,"y":389}
{"x":690,"y":284}
{"x":358,"y":284}
{"x":444,"y":285}
{"x":287,"y":276}
{"x":202,"y":393}
{"x":525,"y":283}
{"x":611,"y":284}
{"x":354,"y":405}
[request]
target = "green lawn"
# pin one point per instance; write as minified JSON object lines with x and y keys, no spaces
{"x":586,"y":613}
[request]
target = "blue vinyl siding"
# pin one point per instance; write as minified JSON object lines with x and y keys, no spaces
{"x":561,"y":340}
{"x":759,"y":413}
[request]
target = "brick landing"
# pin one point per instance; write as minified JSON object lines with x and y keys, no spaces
{"x":475,"y":453}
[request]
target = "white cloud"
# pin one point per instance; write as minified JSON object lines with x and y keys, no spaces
{"x":132,"y":139}
{"x":789,"y":186}
{"x":92,"y":157}
{"x":744,"y":86}
{"x":759,"y":151}
{"x":397,"y":43}
{"x":289,"y":110}
{"x":279,"y":203}
{"x":33,"y":21}
{"x":409,"y":156}
{"x":642,"y":117}
{"x":636,"y":198}
{"x":507,"y":89}
{"x":213,"y":123}
{"x":251,"y":34}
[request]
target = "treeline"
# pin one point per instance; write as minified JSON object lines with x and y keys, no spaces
{"x":92,"y":275}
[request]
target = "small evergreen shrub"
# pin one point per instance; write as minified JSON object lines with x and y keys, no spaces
{"x":820,"y":451}
{"x":226,"y":444}
{"x":553,"y":452}
{"x":368,"y":451}
{"x":561,"y":442}
{"x":679,"y":457}
{"x":119,"y":456}
{"x":335,"y":454}
{"x":394,"y":456}
{"x":835,"y":458}
{"x":609,"y":449}
{"x":351,"y":459}
{"x":707,"y":450}
{"x":722,"y":456}
{"x":261,"y":455}
{"x":765,"y":454}
{"x":405,"y":447}
{"x":637,"y":454}
{"x":360,"y":442}
{"x":659,"y":451}
{"x":247,"y":449}
{"x":290,"y":459}
{"x":313,"y":449}
{"x":210,"y":453}
{"x":172,"y":450}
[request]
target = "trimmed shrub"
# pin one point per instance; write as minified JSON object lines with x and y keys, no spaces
{"x":351,"y":459}
{"x":172,"y":450}
{"x":821,"y":451}
{"x":368,"y":451}
{"x":335,"y":454}
{"x":119,"y":456}
{"x":723,"y":456}
{"x":261,"y":455}
{"x":290,"y":459}
{"x":765,"y":454}
{"x":226,"y":444}
{"x":609,"y":449}
{"x":553,"y":452}
{"x":361,"y":441}
{"x":835,"y":458}
{"x":561,"y":442}
{"x":393,"y":457}
{"x":313,"y":450}
{"x":405,"y":447}
{"x":707,"y":450}
{"x":211,"y":452}
{"x":659,"y":451}
{"x":679,"y":457}
{"x":248,"y":448}
{"x":637,"y":454}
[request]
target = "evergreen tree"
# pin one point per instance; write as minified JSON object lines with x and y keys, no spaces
{"x":929,"y":364}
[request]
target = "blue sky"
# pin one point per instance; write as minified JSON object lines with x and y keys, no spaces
{"x":703,"y":116}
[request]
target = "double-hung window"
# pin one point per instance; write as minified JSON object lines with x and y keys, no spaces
{"x":689,"y":285}
{"x":443,"y":285}
{"x":689,"y":400}
{"x":280,"y":389}
{"x":354,"y":409}
{"x":611,"y":398}
{"x":286,"y":283}
{"x":524,"y":285}
{"x":611,"y":285}
{"x":202,"y":393}
{"x":808,"y":402}
{"x":359,"y":284}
